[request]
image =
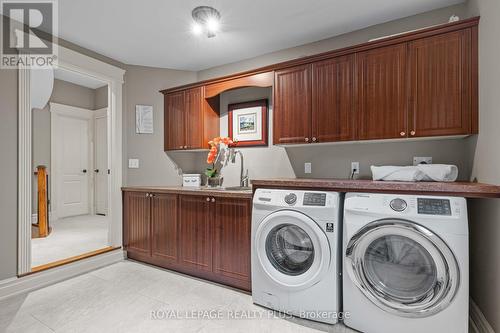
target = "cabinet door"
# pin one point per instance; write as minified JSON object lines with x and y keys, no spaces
{"x":232,"y":227}
{"x":195,"y":237}
{"x":382,"y":95}
{"x":332,"y":100}
{"x":137,"y":222}
{"x":292,"y":105}
{"x":174,"y":121}
{"x":164,"y":227}
{"x":440,"y":77}
{"x":194,"y":118}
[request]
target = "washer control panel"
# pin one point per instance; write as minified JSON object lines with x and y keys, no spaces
{"x":431,"y":206}
{"x":291,"y":198}
{"x":314,"y":199}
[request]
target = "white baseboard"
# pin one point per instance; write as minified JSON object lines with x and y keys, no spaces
{"x":477,"y":319}
{"x":14,"y":286}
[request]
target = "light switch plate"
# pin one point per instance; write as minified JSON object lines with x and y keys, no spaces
{"x":422,"y":160}
{"x":307,"y":167}
{"x":133,"y":163}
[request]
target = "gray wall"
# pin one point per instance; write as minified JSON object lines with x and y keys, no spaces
{"x":8,"y":176}
{"x":142,"y":86}
{"x":485,"y":214}
{"x":101,"y":98}
{"x":268,"y":162}
{"x":72,"y":94}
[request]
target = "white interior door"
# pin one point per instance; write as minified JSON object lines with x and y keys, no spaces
{"x":101,"y":162}
{"x":73,"y":165}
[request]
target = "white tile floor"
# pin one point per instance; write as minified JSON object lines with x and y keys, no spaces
{"x":122,"y":297}
{"x":70,"y":237}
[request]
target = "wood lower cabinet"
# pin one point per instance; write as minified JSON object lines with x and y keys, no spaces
{"x":137,"y":222}
{"x":381,"y":93}
{"x":195,"y":236}
{"x":232,"y":228}
{"x":164,"y":226}
{"x":440,"y":98}
{"x":204,"y":236}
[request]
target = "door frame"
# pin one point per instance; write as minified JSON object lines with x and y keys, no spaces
{"x":113,"y":77}
{"x":97,"y":114}
{"x":57,"y":110}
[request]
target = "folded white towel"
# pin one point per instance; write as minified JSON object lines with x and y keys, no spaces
{"x":421,"y":172}
{"x":439,"y":172}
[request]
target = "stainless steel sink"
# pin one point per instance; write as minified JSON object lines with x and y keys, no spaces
{"x":229,"y":188}
{"x":238,"y":188}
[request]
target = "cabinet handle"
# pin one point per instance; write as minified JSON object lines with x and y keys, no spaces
{"x":412,"y":133}
{"x":208,"y":199}
{"x":402,"y":133}
{"x":185,"y":147}
{"x":213,"y":199}
{"x":147,"y":195}
{"x":306,"y":139}
{"x":314,"y":139}
{"x":180,"y":147}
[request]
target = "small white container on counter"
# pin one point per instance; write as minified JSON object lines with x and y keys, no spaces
{"x":191,"y":180}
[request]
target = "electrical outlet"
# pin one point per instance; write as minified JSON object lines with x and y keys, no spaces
{"x":354,"y":168}
{"x":422,"y":160}
{"x":133,"y":163}
{"x":307,"y":167}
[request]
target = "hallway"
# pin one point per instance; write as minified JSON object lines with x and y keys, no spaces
{"x":70,"y":237}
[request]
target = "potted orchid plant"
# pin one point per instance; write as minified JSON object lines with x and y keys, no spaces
{"x":214,"y":158}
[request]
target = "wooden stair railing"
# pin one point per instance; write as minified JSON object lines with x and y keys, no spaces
{"x":42,"y":228}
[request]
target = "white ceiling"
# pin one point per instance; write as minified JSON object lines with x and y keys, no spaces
{"x":81,"y":80}
{"x":157,"y":32}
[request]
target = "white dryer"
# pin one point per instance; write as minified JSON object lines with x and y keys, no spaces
{"x":296,"y":243}
{"x":406,"y":263}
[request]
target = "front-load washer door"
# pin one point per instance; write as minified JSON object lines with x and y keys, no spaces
{"x":402,"y":267}
{"x":292,"y":249}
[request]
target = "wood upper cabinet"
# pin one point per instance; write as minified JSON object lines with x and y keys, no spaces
{"x":381,"y":92}
{"x":174,"y":121}
{"x":164,"y":227}
{"x":440,"y":93}
{"x":333,"y":115}
{"x":190,"y":120}
{"x":195,"y":234}
{"x":232,"y":228}
{"x":292,"y":105}
{"x":137,"y":222}
{"x":194,"y":118}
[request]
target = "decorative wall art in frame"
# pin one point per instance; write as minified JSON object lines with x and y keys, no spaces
{"x":144,"y":119}
{"x":248,"y":123}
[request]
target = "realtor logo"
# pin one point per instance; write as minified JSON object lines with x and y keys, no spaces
{"x":28,"y":28}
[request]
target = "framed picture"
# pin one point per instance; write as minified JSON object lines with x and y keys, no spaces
{"x":248,"y":123}
{"x":144,"y":119}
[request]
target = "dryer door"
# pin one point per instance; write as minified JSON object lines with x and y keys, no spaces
{"x":292,"y":249}
{"x":402,"y":267}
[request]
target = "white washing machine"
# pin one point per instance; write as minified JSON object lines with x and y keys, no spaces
{"x":406,"y":263}
{"x":296,"y":243}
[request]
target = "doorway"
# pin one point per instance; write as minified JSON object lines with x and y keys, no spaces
{"x":76,"y":169}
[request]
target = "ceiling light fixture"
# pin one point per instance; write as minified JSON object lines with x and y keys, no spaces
{"x":206,"y":19}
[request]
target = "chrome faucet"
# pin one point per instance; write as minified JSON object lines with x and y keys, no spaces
{"x":244,"y":180}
